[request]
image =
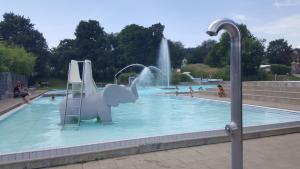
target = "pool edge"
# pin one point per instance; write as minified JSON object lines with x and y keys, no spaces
{"x":79,"y":154}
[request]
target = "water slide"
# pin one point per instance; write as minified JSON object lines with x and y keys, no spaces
{"x":95,"y":104}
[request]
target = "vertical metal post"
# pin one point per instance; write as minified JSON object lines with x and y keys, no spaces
{"x":236,"y":103}
{"x":235,"y":128}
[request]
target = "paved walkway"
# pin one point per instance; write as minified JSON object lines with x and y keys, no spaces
{"x":11,"y":103}
{"x":278,"y":152}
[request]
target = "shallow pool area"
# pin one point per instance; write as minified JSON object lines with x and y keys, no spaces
{"x":36,"y":126}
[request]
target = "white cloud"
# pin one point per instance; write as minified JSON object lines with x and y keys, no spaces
{"x":282,"y":3}
{"x":239,"y":17}
{"x":287,"y":27}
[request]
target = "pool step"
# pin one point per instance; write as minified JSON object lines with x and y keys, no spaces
{"x":288,"y":84}
{"x":285,"y":97}
{"x":275,"y":93}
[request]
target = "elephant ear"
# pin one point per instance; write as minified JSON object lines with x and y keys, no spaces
{"x":114,"y":94}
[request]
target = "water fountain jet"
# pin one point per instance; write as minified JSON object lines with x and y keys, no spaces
{"x":164,"y":63}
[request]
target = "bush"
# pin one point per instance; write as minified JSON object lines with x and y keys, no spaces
{"x":175,"y":78}
{"x":261,"y":75}
{"x":179,"y":77}
{"x":16,"y":59}
{"x":123,"y":78}
{"x":204,"y":71}
{"x":280,"y":69}
{"x":184,"y":78}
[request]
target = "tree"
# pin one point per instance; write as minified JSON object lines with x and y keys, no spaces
{"x":93,"y":43}
{"x":137,"y":44}
{"x":16,"y":29}
{"x":15,"y":59}
{"x":218,"y":56}
{"x":252,"y":52}
{"x":252,"y":55}
{"x":61,"y":56}
{"x":279,"y":52}
{"x":199,"y":54}
{"x":177,"y":53}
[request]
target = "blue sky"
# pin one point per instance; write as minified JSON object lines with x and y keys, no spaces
{"x":184,"y":20}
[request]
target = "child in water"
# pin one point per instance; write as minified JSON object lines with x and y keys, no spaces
{"x":191,"y":91}
{"x":177,"y":90}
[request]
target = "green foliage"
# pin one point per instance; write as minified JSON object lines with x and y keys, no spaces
{"x":61,"y":56}
{"x":279,"y":52}
{"x":134,"y":44}
{"x":252,"y":55}
{"x":54,"y":83}
{"x":16,"y":29}
{"x":123,"y":78}
{"x":16,"y":59}
{"x":286,"y":78}
{"x":199,"y":54}
{"x":204,"y":71}
{"x":252,"y":52}
{"x":176,"y":53}
{"x":175,"y":79}
{"x":260,"y":75}
{"x":108,"y":52}
{"x":184,"y":78}
{"x":179,"y":77}
{"x":218,"y":56}
{"x":137,"y":44}
{"x":92,"y":43}
{"x":280,"y":69}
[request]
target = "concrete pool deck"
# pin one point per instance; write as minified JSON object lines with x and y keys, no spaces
{"x":245,"y":101}
{"x":277,"y":152}
{"x":11,"y":103}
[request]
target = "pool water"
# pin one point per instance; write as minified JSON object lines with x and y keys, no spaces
{"x":36,"y":126}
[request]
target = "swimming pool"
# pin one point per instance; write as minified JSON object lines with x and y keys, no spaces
{"x":36,"y":126}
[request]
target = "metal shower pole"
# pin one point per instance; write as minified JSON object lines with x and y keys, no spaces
{"x":235,"y":127}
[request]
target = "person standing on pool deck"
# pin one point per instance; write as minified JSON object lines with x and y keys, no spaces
{"x":191,"y":91}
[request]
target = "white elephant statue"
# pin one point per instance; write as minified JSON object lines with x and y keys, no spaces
{"x":98,"y":105}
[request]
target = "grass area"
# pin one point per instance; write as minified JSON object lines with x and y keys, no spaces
{"x":286,"y":78}
{"x":54,"y":83}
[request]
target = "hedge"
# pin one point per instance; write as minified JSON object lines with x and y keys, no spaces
{"x":280,"y":69}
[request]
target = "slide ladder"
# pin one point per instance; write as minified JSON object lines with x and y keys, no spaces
{"x":74,"y":95}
